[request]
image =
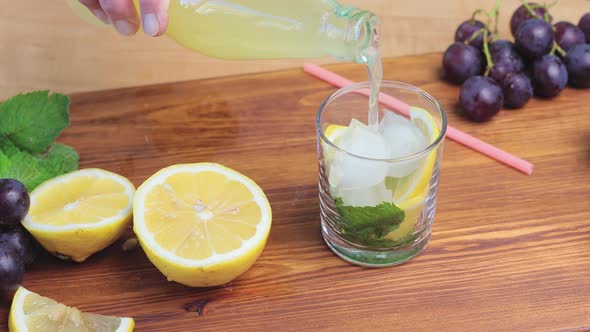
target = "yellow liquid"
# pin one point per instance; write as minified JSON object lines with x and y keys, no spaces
{"x":254,"y":29}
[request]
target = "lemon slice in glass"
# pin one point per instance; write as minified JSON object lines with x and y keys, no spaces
{"x":201,"y":224}
{"x":31,"y":312}
{"x":416,"y":183}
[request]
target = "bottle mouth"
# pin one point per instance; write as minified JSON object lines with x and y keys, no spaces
{"x":350,"y":33}
{"x":366,"y":36}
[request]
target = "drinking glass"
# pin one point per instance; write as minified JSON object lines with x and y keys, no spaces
{"x":378,"y":211}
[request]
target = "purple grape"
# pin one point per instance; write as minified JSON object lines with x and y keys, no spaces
{"x":549,"y":76}
{"x":19,"y":239}
{"x":14,"y":202}
{"x":584,"y":25}
{"x":517,"y":89}
{"x":577,"y":63}
{"x":481,"y":98}
{"x":12,"y":269}
{"x":521,"y":15}
{"x":506,"y":60}
{"x":534,"y":38}
{"x":509,"y":57}
{"x":460,"y":62}
{"x":501,"y":44}
{"x":568,"y":35}
{"x":467,"y":29}
{"x":500,"y":70}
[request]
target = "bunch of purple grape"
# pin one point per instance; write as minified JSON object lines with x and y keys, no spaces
{"x":16,"y":244}
{"x":541,"y":61}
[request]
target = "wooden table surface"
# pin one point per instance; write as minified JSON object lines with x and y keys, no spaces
{"x":509,"y":252}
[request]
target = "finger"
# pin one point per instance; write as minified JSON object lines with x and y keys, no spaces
{"x":154,"y":16}
{"x":122,"y":14}
{"x":94,"y":7}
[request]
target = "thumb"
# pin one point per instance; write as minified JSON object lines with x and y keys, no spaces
{"x":154,"y":16}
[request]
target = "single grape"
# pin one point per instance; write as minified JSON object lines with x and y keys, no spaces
{"x":481,"y":98}
{"x":584,"y":25}
{"x":14,"y":202}
{"x":504,"y":49}
{"x":12,"y":269}
{"x":577,"y":62}
{"x":460,"y":62}
{"x":521,"y":14}
{"x":510,"y":57}
{"x":467,"y":29}
{"x":500,"y":70}
{"x":517,"y":89}
{"x":506,"y":60}
{"x":568,"y":35}
{"x":18,"y":238}
{"x":534,"y":38}
{"x":500,"y":44}
{"x":549,"y":76}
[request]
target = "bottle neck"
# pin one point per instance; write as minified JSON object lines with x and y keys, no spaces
{"x":350,"y":34}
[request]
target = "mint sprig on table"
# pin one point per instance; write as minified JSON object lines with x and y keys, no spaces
{"x":29,"y":124}
{"x":368,"y":225}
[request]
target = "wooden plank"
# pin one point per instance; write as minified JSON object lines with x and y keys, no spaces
{"x":509,"y":251}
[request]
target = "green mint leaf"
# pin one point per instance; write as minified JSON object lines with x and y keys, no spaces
{"x":33,"y":170}
{"x":33,"y":121}
{"x":7,"y":147}
{"x":60,"y":159}
{"x":369,"y":225}
{"x":25,"y":168}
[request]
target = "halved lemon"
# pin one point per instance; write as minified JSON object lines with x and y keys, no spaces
{"x":80,"y":213}
{"x":31,"y":312}
{"x":201,"y":224}
{"x":416,"y":183}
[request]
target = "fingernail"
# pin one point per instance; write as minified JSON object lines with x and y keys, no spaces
{"x":101,"y":15}
{"x":124,"y":27}
{"x":151,"y":25}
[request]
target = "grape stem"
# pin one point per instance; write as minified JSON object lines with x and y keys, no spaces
{"x":475,"y":13}
{"x":495,"y":13}
{"x":486,"y":51}
{"x":557,"y":48}
{"x":475,"y":35}
{"x":531,"y":9}
{"x":547,"y":6}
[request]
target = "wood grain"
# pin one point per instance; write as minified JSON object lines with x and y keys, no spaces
{"x":44,"y":46}
{"x":509,"y":252}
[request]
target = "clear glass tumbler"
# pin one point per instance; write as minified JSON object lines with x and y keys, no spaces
{"x":378,"y":186}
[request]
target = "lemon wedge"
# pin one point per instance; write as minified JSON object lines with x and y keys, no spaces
{"x":80,"y":213}
{"x":31,"y":312}
{"x":201,"y":224}
{"x":416,"y":183}
{"x":333,"y":133}
{"x":412,"y":208}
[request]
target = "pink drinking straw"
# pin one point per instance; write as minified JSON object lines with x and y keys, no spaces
{"x":452,"y":133}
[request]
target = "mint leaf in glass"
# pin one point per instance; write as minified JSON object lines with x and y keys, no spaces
{"x":368,"y":225}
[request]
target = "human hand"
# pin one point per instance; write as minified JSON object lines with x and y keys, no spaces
{"x":123,"y":16}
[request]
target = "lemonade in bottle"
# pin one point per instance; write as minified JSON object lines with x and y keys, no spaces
{"x":268,"y":29}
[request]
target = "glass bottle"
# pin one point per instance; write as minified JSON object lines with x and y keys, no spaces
{"x":270,"y":29}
